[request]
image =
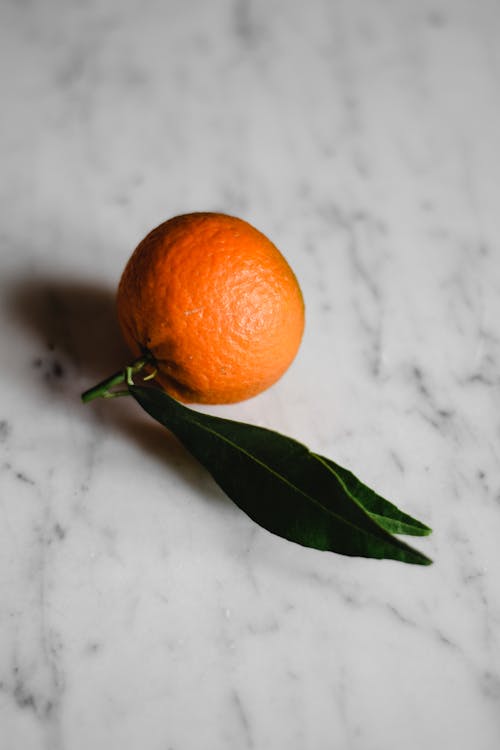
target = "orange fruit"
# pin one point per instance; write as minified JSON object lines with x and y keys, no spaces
{"x":215,"y":305}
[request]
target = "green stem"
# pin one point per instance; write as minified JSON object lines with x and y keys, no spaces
{"x":103,"y":389}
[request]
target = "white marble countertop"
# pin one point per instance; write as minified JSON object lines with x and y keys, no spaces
{"x":139,"y":607}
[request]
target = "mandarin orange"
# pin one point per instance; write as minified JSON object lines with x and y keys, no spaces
{"x":214,"y":304}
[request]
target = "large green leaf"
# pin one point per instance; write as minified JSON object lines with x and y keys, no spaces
{"x":279,"y":483}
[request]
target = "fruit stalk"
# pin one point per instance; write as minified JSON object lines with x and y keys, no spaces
{"x":103,"y":389}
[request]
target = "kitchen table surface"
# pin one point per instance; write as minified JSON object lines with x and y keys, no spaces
{"x":139,"y":607}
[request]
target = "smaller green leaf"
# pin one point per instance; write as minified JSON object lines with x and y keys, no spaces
{"x":382,"y":511}
{"x":278,"y":482}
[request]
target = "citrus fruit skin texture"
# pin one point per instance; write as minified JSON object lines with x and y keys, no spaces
{"x":215,"y":304}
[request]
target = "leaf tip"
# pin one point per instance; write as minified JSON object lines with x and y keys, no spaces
{"x":424,"y":560}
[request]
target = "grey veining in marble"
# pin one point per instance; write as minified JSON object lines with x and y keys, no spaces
{"x":139,"y":608}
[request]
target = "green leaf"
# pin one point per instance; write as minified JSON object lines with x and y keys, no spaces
{"x":385,"y":513}
{"x":278,"y":482}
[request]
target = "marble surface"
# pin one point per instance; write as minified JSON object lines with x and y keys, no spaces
{"x":139,"y":608}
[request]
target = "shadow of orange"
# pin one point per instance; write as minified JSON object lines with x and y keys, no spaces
{"x":78,"y":338}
